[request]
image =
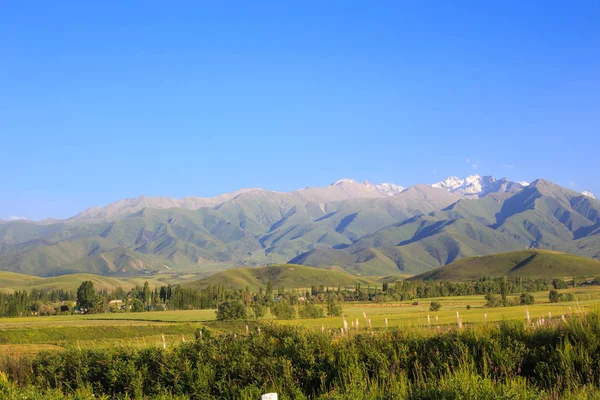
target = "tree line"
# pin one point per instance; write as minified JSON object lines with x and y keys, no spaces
{"x":279,"y":300}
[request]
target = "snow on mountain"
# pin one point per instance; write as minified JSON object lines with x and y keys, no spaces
{"x":386,"y":188}
{"x":588,"y":194}
{"x":389,"y":189}
{"x":476,"y":186}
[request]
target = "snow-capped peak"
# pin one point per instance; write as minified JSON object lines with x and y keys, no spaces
{"x":450,"y":183}
{"x":476,"y":186}
{"x":342,"y":181}
{"x":588,"y":194}
{"x":387,"y":188}
{"x":523,"y":183}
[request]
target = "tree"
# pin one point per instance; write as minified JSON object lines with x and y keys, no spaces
{"x":137,"y":305}
{"x":493,"y":300}
{"x":435,"y":306}
{"x":146,"y":293}
{"x":527,"y":299}
{"x":334,"y":308}
{"x":231,"y":310}
{"x":559,"y":284}
{"x":311,"y":310}
{"x":259,"y":310}
{"x":86,"y":296}
{"x":282,"y":309}
{"x":554,"y":296}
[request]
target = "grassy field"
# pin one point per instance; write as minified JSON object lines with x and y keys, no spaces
{"x":29,"y":335}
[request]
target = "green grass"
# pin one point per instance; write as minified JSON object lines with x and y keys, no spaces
{"x":28,"y":335}
{"x":287,"y":275}
{"x":531,"y":263}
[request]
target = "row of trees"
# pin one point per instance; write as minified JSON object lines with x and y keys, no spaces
{"x":281,"y":309}
{"x":140,"y":298}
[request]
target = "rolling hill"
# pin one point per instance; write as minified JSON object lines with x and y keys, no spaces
{"x":530,"y":263}
{"x":287,"y":275}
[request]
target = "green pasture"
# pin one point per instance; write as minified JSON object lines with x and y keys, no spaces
{"x":29,"y":335}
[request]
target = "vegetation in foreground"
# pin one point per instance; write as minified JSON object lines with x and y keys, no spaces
{"x":555,"y":358}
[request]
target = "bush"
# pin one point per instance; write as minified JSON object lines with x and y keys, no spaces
{"x":259,"y":310}
{"x":468,"y":306}
{"x":231,"y":310}
{"x":435,"y":306}
{"x":527,"y":299}
{"x":568,"y":297}
{"x":311,"y":310}
{"x":554,"y":296}
{"x":559,"y":284}
{"x":334,"y":308}
{"x":137,"y":305}
{"x":493,"y":300}
{"x":282,"y":309}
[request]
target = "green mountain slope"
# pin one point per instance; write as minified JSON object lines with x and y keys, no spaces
{"x":419,"y":229}
{"x":286,"y":275}
{"x":530,"y":263}
{"x":252,"y":228}
{"x":11,"y":281}
{"x":542,"y":215}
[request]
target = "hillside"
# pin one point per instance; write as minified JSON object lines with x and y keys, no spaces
{"x":254,"y":227}
{"x":11,"y":281}
{"x":543,"y":215}
{"x":530,"y":263}
{"x":359,"y":227}
{"x":286,"y":275}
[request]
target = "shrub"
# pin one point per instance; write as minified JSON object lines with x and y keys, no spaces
{"x":527,"y":299}
{"x":567,"y":297}
{"x":137,"y":305}
{"x":334,"y":308}
{"x":259,"y":310}
{"x":282,"y":309}
{"x":468,"y":306}
{"x":493,"y":300}
{"x":435,"y":306}
{"x":231,"y":310}
{"x":311,"y":310}
{"x":559,"y":284}
{"x":554,"y":296}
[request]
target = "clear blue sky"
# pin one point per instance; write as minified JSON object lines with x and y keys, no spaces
{"x":105,"y":100}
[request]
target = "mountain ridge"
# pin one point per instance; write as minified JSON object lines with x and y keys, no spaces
{"x":348,"y":224}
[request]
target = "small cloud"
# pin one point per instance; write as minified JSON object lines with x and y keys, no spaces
{"x":509,"y":166}
{"x":468,"y":160}
{"x":475,"y":165}
{"x":573,"y":184}
{"x":14,"y":218}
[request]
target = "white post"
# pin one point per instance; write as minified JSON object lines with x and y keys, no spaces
{"x":269,"y":396}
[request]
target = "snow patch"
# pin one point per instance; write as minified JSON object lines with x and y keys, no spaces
{"x":588,"y":194}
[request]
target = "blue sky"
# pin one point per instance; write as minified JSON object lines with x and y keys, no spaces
{"x":106,"y":100}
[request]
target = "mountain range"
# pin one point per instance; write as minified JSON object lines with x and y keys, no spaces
{"x":364,"y":228}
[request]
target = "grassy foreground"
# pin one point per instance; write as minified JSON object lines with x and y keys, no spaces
{"x":30,"y":335}
{"x":509,"y":360}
